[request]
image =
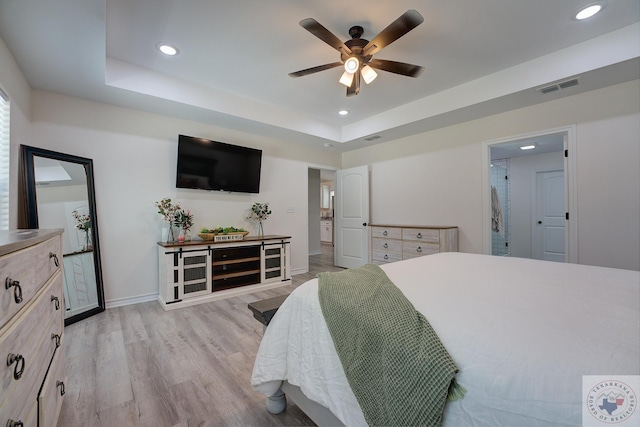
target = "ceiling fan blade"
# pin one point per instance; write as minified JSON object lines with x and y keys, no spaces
{"x":315,"y":69}
{"x":315,"y":28}
{"x":401,"y":68}
{"x":398,"y":28}
{"x":354,"y":89}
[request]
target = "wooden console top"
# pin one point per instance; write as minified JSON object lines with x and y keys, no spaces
{"x":199,"y":242}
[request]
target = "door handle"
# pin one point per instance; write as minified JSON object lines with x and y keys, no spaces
{"x":539,"y":222}
{"x":364,"y":224}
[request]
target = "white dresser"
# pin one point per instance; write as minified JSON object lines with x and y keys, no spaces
{"x":397,"y":242}
{"x":32,"y":375}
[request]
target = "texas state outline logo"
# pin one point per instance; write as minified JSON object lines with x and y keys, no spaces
{"x":610,"y":400}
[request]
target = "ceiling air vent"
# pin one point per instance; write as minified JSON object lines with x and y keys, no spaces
{"x":568,"y":83}
{"x":557,"y":86}
{"x":372,"y":138}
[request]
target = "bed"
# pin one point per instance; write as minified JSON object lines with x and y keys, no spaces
{"x":523,"y":333}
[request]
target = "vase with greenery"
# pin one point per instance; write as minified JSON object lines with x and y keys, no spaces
{"x":184,"y":220}
{"x":168,"y":211}
{"x":259,"y":212}
{"x":83,"y":223}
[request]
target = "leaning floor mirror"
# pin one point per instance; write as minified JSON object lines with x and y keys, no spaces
{"x":60,"y":193}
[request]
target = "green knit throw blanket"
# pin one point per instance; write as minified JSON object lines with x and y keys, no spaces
{"x":398,"y":369}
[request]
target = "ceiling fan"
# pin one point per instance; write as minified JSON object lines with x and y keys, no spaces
{"x":356,"y":55}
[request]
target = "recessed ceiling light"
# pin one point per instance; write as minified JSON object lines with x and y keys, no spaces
{"x":528,"y":147}
{"x":343,"y":112}
{"x":167,"y":49}
{"x":590,"y":10}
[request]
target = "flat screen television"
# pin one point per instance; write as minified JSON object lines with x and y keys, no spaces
{"x":210,"y":165}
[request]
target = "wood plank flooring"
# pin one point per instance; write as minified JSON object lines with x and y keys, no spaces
{"x":141,"y":366}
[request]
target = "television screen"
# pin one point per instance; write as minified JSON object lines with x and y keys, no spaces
{"x":212,"y":165}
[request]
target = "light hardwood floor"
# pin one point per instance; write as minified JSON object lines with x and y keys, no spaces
{"x":141,"y":366}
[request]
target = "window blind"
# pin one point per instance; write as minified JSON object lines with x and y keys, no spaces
{"x":5,"y":154}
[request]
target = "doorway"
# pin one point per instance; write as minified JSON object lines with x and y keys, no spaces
{"x":529,"y":196}
{"x":321,"y":187}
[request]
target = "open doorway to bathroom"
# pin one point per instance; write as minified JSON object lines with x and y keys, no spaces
{"x":529,"y":196}
{"x":321,"y":204}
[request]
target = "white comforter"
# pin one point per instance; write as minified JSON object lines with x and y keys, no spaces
{"x":522,"y":332}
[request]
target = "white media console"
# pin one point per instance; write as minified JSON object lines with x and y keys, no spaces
{"x":199,"y":271}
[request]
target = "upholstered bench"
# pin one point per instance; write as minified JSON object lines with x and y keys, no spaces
{"x":265,"y":309}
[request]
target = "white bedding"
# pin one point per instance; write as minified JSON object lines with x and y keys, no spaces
{"x":522,"y":332}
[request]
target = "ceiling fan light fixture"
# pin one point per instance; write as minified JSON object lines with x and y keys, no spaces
{"x":347,"y":78}
{"x":351,"y":65}
{"x":368,"y":74}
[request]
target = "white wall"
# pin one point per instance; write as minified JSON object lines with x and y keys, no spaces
{"x":435,"y":177}
{"x":134,"y":158}
{"x":608,"y":192}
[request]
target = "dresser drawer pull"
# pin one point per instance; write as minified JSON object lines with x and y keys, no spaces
{"x":419,"y":249}
{"x":56,"y":337}
{"x":61,"y":385}
{"x":385,"y":233}
{"x":55,"y":259}
{"x":17,"y":290}
{"x":19,"y":361}
{"x":419,"y":236}
{"x":11,"y":423}
{"x":386,"y":256}
{"x":56,"y":301}
{"x":386,"y":245}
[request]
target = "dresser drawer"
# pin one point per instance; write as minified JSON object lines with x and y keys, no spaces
{"x":386,"y":232}
{"x":416,"y":249}
{"x":385,"y":256}
{"x":31,"y":267}
{"x":421,"y":234}
{"x":52,"y":394}
{"x":386,"y":245}
{"x":29,"y":339}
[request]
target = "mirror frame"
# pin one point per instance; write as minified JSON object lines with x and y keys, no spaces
{"x":31,"y":204}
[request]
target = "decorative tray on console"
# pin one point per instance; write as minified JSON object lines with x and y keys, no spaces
{"x":223,"y":235}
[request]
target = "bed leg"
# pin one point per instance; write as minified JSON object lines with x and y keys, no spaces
{"x":276,"y":403}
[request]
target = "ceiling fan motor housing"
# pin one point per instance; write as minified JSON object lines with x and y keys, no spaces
{"x":356,"y":44}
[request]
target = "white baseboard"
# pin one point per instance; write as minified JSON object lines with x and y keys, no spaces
{"x":119,"y":302}
{"x":315,"y":253}
{"x":228,"y":293}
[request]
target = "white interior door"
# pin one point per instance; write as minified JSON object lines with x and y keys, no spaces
{"x":549,"y":230}
{"x":351,"y":217}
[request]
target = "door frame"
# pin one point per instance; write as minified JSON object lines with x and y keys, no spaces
{"x":571,"y":188}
